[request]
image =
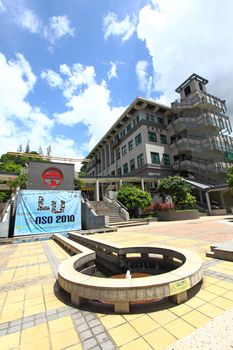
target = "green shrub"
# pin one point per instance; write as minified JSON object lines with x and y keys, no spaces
{"x":133,"y":198}
{"x":188,"y":202}
{"x":3,"y":197}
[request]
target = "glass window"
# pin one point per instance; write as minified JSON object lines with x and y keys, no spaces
{"x":125,"y":168}
{"x":118,"y":155}
{"x":130,"y":145}
{"x":155,"y":158}
{"x":166,"y":159}
{"x":163,"y":139}
{"x":187,"y":90}
{"x":128,"y":127}
{"x":132,"y":164}
{"x":152,"y":136}
{"x":119,"y":171}
{"x":123,"y":150}
{"x":138,"y":139}
{"x":140,"y":160}
{"x":152,"y":118}
{"x":160,"y":120}
{"x":147,"y":116}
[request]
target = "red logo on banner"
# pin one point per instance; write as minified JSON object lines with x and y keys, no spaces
{"x":52,"y":177}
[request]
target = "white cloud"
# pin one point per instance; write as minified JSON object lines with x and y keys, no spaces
{"x":75,"y":78}
{"x":58,"y":27}
{"x":112,"y":73}
{"x":52,"y":78}
{"x":123,"y":29}
{"x":144,"y":80}
{"x":183,"y":37}
{"x":21,"y":121}
{"x":28,"y":20}
{"x":87,"y":102}
{"x":2,"y":7}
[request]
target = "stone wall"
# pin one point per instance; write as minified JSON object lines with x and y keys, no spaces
{"x":172,"y":215}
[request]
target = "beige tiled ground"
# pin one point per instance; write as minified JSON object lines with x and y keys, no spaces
{"x":154,"y":329}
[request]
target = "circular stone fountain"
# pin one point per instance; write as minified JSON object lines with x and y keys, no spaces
{"x":75,"y":274}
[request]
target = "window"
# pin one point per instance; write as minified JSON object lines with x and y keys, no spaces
{"x":166,"y":159}
{"x":147,"y":116}
{"x":155,"y":158}
{"x":163,"y":139}
{"x":152,"y":136}
{"x":132,"y":164}
{"x":128,"y":127}
{"x":152,"y":118}
{"x":123,"y":150}
{"x":119,"y":171}
{"x":118,"y":155}
{"x":136,"y":120}
{"x":130,"y":145}
{"x":138,"y":139}
{"x":160,"y":120}
{"x":200,"y":86}
{"x":140,"y":160}
{"x":187,"y":90}
{"x":125,"y":168}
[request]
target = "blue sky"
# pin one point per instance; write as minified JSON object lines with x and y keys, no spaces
{"x":69,"y":68}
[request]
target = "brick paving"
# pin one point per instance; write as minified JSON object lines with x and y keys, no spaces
{"x":36,"y":314}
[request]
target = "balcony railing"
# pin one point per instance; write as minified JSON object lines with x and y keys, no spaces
{"x":205,"y":146}
{"x":201,"y":166}
{"x":199,"y":98}
{"x":202,"y":122}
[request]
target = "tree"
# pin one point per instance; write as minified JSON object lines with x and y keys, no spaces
{"x":27,"y":148}
{"x":133,"y":198}
{"x":230,"y":177}
{"x":78,"y":184}
{"x":175,"y":187}
{"x":10,"y":167}
{"x":40,"y":151}
{"x":21,"y":182}
{"x":20,"y":148}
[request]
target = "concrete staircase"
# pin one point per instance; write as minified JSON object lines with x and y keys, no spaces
{"x":115,"y":219}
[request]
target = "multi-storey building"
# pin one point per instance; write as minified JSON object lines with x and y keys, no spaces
{"x":190,"y":138}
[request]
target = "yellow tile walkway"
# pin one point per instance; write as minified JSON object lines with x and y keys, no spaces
{"x":27,"y":289}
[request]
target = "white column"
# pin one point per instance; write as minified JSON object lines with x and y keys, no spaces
{"x":208,"y":202}
{"x":120,"y":182}
{"x":97,"y":193}
{"x":142,"y":184}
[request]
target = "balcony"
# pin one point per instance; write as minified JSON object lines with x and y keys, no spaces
{"x":199,"y":99}
{"x":201,"y":166}
{"x":203,"y":123}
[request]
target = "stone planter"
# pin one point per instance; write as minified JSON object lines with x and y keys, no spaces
{"x":172,"y":215}
{"x":218,"y":212}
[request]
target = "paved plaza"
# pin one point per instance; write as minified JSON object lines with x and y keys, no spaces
{"x":36,"y":314}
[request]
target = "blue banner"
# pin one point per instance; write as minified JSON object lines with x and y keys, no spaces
{"x":47,"y":212}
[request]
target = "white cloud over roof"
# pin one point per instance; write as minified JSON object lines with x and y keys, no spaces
{"x":123,"y":29}
{"x":183,"y":37}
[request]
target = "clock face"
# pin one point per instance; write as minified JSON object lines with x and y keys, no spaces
{"x":52,"y":177}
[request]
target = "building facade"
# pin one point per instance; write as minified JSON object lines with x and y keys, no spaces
{"x":189,"y":138}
